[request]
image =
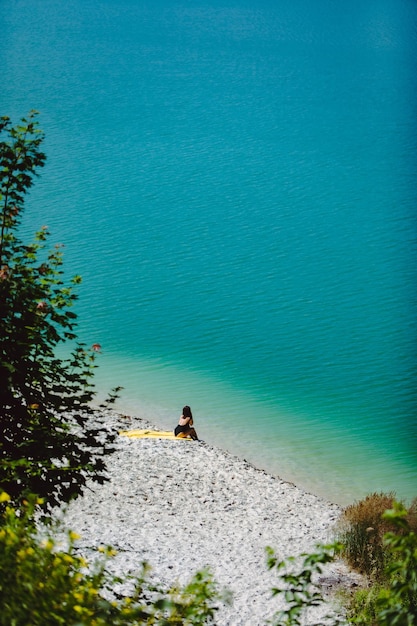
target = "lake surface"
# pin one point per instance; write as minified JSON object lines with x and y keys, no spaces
{"x":236,"y":183}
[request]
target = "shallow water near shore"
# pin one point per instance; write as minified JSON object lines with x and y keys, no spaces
{"x":236,"y":184}
{"x":338,"y":463}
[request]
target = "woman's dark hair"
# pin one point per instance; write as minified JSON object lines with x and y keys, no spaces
{"x":187,"y":412}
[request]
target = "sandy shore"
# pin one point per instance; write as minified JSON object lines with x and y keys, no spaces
{"x":182,"y":506}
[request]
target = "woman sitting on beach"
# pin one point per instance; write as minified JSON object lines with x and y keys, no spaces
{"x":185,"y":425}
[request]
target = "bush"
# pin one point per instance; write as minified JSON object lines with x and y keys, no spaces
{"x":362,"y":606}
{"x":390,"y":601}
{"x":43,"y":585}
{"x":361,"y":529}
{"x":393,"y":602}
{"x":299,"y":588}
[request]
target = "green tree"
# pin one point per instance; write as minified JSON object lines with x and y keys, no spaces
{"x":46,"y":446}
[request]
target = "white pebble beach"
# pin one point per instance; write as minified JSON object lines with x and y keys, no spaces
{"x":183,"y":506}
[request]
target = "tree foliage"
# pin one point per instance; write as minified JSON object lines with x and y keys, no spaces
{"x":46,"y":447}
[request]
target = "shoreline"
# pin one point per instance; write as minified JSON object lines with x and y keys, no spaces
{"x":340,"y":469}
{"x":184,"y":506}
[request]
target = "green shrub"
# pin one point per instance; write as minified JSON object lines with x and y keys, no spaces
{"x":361,"y":529}
{"x":389,"y":602}
{"x":393,"y":602}
{"x":362,"y":606}
{"x":42,"y":584}
{"x":299,"y":588}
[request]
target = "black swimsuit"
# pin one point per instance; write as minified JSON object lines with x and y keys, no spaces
{"x":181,"y":429}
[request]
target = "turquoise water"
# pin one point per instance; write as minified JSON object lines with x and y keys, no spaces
{"x":236,"y":182}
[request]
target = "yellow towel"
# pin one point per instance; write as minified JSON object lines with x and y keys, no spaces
{"x":152,"y":434}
